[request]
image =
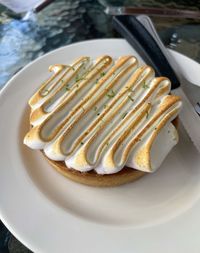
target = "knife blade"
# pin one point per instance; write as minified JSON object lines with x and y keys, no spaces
{"x":145,"y":44}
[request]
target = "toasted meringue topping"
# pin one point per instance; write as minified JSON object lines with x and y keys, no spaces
{"x":104,"y":115}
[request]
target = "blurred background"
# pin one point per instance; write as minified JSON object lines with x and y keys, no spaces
{"x":29,"y":29}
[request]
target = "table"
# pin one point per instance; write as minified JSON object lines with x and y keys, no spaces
{"x":24,"y":38}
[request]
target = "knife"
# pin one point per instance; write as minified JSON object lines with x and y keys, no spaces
{"x":147,"y":47}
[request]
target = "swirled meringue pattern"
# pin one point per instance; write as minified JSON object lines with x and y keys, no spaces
{"x":103,"y":115}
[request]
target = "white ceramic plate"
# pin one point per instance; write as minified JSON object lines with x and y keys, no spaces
{"x":49,"y":213}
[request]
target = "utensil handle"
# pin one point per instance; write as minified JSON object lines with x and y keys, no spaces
{"x":152,"y":11}
{"x":142,"y":41}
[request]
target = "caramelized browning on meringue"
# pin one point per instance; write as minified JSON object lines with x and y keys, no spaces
{"x":103,"y":115}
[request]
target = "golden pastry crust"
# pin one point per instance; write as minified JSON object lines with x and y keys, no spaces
{"x":93,"y":179}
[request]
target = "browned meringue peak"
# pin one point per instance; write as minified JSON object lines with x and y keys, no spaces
{"x":74,"y":103}
{"x":110,"y":129}
{"x":57,"y":70}
{"x":113,"y":116}
{"x":125,"y":113}
{"x":135,"y":135}
{"x":65,"y":144}
{"x":82,"y":69}
{"x":61,"y":75}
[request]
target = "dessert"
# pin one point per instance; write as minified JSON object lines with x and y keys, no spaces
{"x":104,"y":122}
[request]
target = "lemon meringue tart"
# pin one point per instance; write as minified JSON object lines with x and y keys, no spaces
{"x":104,"y":122}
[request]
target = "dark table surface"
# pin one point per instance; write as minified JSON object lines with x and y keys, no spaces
{"x":26,"y":37}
